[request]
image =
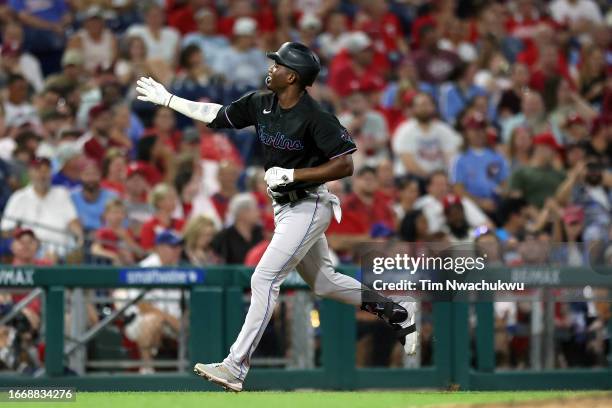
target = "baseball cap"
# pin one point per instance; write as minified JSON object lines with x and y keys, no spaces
{"x":574,"y":119}
{"x":97,"y":111}
{"x":10,"y":50}
{"x":136,"y":168}
{"x":203,"y":12}
{"x":244,"y":26}
{"x":67,"y":151}
{"x":20,"y":232}
{"x":168,"y":237}
{"x":451,"y":200}
{"x":72,"y":57}
{"x":39,"y":160}
{"x":94,"y":11}
{"x":310,"y":21}
{"x":358,"y":41}
{"x":475,"y":121}
{"x":546,"y":139}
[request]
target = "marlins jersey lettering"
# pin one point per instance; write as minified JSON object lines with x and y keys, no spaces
{"x":301,"y":137}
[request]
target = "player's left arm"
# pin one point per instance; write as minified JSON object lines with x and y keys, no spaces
{"x":334,"y":169}
{"x":335,"y":142}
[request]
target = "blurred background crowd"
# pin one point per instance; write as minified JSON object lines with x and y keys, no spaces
{"x":484,"y":122}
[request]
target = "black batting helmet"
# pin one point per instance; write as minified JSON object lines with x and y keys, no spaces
{"x":299,"y":58}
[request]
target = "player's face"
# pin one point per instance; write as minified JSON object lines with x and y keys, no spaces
{"x":279,"y":77}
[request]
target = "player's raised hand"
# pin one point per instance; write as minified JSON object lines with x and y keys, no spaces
{"x":152,"y":91}
{"x":277,"y":176}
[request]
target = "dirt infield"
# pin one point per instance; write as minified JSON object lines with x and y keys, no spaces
{"x":599,"y":401}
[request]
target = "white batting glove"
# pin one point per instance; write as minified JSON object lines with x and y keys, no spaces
{"x":277,"y":176}
{"x":152,"y":91}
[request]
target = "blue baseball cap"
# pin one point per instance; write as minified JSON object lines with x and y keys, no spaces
{"x":168,"y":237}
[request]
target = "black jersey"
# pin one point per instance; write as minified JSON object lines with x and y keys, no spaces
{"x":301,"y":137}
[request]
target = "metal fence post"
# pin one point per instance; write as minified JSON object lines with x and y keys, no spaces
{"x":54,"y":331}
{"x":206,"y":324}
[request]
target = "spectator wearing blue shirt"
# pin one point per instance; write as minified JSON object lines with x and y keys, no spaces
{"x":90,"y":201}
{"x":454,"y":97}
{"x":206,"y":39}
{"x":193,"y":82}
{"x":243,"y":64}
{"x":45,"y":24}
{"x":479,"y":171}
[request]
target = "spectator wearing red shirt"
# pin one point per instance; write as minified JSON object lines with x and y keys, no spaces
{"x":153,"y":158}
{"x":97,"y":140}
{"x":164,"y":200}
{"x":361,"y":212}
{"x":164,"y":128}
{"x":526,"y":21}
{"x":114,"y":171}
{"x":383,"y":27}
{"x":434,"y":64}
{"x":113,"y":241}
{"x":181,"y":14}
{"x":357,"y":64}
{"x":227,"y":176}
{"x":551,"y":64}
{"x":216,"y":146}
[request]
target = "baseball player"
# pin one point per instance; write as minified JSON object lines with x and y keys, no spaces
{"x":304,"y":147}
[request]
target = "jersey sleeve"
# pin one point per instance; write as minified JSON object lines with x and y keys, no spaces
{"x":237,"y":115}
{"x":331,"y":137}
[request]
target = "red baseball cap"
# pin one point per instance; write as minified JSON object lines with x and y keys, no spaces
{"x":451,"y":200}
{"x":574,"y":119}
{"x":37,"y":161}
{"x":97,"y":111}
{"x":546,"y":139}
{"x":475,"y":121}
{"x":10,"y":50}
{"x":136,"y":168}
{"x":20,"y":232}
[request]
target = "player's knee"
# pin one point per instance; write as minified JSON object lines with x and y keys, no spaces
{"x":324,"y":291}
{"x":261,"y":278}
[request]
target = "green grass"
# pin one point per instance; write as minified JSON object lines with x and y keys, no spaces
{"x":298,"y":399}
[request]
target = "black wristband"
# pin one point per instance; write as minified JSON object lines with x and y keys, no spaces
{"x":171,"y":96}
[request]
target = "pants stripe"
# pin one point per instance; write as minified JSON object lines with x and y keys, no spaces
{"x":247,"y":356}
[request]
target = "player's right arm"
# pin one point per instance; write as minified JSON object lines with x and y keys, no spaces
{"x":152,"y":91}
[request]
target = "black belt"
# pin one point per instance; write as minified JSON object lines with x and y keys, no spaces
{"x":291,"y":197}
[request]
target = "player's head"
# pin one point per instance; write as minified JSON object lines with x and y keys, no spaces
{"x":294,"y":65}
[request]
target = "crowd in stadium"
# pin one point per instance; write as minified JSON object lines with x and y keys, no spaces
{"x":485,"y":122}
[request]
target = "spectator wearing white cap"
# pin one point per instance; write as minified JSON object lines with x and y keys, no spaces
{"x":47,"y":210}
{"x":243,"y":64}
{"x":359,"y":66}
{"x":98,"y":44}
{"x":206,"y":38}
{"x":334,"y":37}
{"x":69,"y":159}
{"x":309,"y":27}
{"x":162,"y":42}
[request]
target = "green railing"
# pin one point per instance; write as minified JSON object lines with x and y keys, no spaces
{"x":216,"y":315}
